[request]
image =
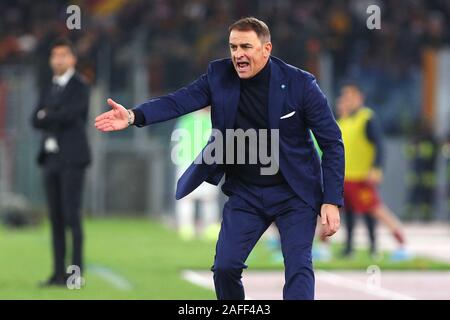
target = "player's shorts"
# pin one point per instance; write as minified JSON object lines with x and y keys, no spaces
{"x":360,"y":196}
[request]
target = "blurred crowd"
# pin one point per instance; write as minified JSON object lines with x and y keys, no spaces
{"x":179,"y":37}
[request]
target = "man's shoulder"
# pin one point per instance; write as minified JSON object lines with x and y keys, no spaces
{"x":80,"y":79}
{"x":221,"y":71}
{"x":293,"y":71}
{"x":79,"y":82}
{"x":367,"y":112}
{"x":220,"y":65}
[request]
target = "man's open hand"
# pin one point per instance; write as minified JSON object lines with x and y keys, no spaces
{"x":330,"y":221}
{"x":113,"y":120}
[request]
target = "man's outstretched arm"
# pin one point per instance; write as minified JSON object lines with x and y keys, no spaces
{"x":193,"y":97}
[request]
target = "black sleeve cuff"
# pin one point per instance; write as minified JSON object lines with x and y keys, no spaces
{"x":139,"y":119}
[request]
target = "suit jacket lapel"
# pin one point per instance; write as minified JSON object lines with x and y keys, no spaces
{"x":231,"y":100}
{"x":64,"y":91}
{"x":277,"y":94}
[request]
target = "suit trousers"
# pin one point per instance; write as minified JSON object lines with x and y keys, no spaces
{"x":247,"y":214}
{"x":64,"y":188}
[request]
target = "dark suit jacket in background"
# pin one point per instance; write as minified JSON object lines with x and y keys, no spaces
{"x":65,"y":120}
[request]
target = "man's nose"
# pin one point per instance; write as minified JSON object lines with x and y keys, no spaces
{"x":239,"y":53}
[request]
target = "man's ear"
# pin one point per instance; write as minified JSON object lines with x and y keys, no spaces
{"x":267,"y":49}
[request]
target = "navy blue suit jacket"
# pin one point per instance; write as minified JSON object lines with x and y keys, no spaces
{"x":291,"y":89}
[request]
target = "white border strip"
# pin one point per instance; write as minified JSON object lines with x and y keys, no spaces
{"x":111,"y":277}
{"x":347,"y":283}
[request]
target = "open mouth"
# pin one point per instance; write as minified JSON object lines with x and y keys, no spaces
{"x":243,"y":66}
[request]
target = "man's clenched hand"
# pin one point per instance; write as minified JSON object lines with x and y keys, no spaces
{"x":330,"y":221}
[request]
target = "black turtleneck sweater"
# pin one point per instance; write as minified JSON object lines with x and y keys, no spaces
{"x":252,"y":113}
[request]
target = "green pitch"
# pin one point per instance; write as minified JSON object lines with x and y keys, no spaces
{"x":136,"y":259}
{"x":146,"y":257}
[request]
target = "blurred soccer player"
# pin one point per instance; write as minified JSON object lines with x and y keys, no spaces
{"x":61,"y":115}
{"x":362,"y":136}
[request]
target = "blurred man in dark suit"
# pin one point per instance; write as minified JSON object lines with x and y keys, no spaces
{"x":61,"y":114}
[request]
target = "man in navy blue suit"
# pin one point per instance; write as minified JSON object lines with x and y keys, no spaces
{"x":252,"y":92}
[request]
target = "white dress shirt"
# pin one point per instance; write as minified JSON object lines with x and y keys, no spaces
{"x":63,"y":79}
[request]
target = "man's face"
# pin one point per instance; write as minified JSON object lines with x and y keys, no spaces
{"x":341,"y":107}
{"x":350,"y":99}
{"x":61,"y":59}
{"x":248,"y":53}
